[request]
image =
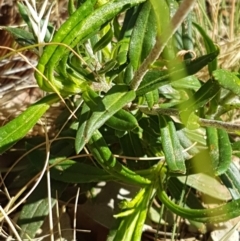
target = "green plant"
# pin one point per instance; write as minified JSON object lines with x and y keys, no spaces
{"x":133,"y":99}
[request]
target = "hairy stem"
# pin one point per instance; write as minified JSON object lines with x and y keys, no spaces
{"x":229,"y":127}
{"x":161,"y":42}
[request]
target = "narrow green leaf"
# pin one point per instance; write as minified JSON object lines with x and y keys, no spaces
{"x":227,"y":80}
{"x":220,"y":149}
{"x":176,"y":188}
{"x":207,"y":184}
{"x":84,"y":116}
{"x":128,"y":74}
{"x":103,"y":155}
{"x":171,"y":145}
{"x":131,"y":145}
{"x":236,"y":148}
{"x":129,"y":22}
{"x":19,"y":127}
{"x":187,"y":36}
{"x":71,"y":7}
{"x":197,"y":64}
{"x":190,"y":82}
{"x":209,"y":45}
{"x":36,"y":209}
{"x":114,"y":100}
{"x":162,"y":14}
{"x":212,"y":142}
{"x":199,"y":99}
{"x":68,"y":27}
{"x":231,"y":179}
{"x":211,"y":215}
{"x":24,"y":13}
{"x":127,"y":226}
{"x":143,"y":208}
{"x":69,"y":171}
{"x":122,"y":121}
{"x":116,"y":28}
{"x":154,"y":79}
{"x":150,"y":36}
{"x":104,"y":41}
{"x":186,"y":142}
{"x":225,"y":152}
{"x":122,"y":51}
{"x":108,"y":66}
{"x":152,"y":98}
{"x":22,"y":36}
{"x":142,"y":35}
{"x":93,"y":100}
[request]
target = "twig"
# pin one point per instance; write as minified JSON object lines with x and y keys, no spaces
{"x":160,"y":44}
{"x":157,"y":111}
{"x":229,"y":127}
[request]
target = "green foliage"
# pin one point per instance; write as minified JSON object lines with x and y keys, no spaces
{"x":19,"y":127}
{"x":172,"y":115}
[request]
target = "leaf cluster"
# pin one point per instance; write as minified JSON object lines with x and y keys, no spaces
{"x":165,"y":137}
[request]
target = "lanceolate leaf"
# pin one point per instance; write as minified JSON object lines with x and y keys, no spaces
{"x":171,"y":145}
{"x":103,"y":155}
{"x":21,"y":125}
{"x":154,"y":79}
{"x":69,"y":171}
{"x":122,"y":121}
{"x":209,"y":45}
{"x":189,"y":82}
{"x":152,"y":98}
{"x":199,"y":99}
{"x":150,"y":35}
{"x":36,"y":209}
{"x":190,"y":200}
{"x":212,"y":215}
{"x":220,"y":149}
{"x":115,"y":99}
{"x":129,"y":22}
{"x":207,"y":184}
{"x":131,"y":145}
{"x":231,"y":179}
{"x":236,"y":148}
{"x":142,"y":35}
{"x":84,"y":116}
{"x":130,"y":228}
{"x":227,"y":80}
{"x":104,"y":40}
{"x":22,"y":36}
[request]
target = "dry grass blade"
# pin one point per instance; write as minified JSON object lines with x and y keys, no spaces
{"x":220,"y":19}
{"x":5,"y":215}
{"x":75,"y":215}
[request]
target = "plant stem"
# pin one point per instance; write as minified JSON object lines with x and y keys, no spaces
{"x":157,"y":111}
{"x":160,"y":44}
{"x":229,"y":127}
